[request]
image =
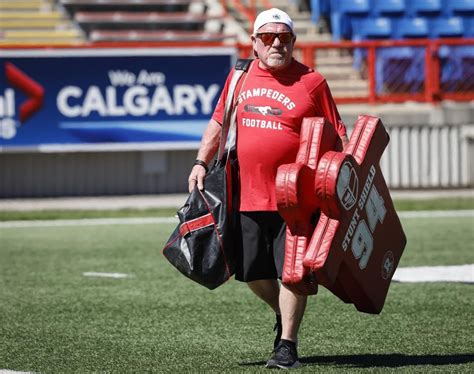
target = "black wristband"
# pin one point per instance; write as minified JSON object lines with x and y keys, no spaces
{"x":201,"y":163}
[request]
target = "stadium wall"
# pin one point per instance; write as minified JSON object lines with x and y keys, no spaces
{"x":430,"y":147}
{"x":93,"y":173}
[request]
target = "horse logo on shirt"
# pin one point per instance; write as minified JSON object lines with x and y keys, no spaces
{"x":263,"y":110}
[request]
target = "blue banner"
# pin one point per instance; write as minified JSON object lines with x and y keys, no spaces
{"x":97,"y":98}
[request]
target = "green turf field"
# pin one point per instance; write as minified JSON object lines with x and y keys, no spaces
{"x":55,"y":320}
{"x":400,"y":205}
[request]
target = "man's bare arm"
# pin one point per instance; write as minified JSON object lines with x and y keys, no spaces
{"x":207,"y":150}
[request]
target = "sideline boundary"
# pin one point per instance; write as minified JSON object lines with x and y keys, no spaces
{"x":170,"y":220}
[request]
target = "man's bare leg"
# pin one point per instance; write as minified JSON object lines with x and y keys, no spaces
{"x":292,"y":307}
{"x":268,"y":290}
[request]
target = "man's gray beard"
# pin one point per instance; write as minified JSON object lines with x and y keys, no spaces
{"x":274,"y":62}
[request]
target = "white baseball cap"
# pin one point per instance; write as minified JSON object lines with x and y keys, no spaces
{"x":273,"y":15}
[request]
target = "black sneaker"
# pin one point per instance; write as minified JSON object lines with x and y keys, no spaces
{"x":285,"y":356}
{"x":278,"y":330}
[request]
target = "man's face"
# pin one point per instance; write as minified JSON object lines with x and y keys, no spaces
{"x":274,"y":54}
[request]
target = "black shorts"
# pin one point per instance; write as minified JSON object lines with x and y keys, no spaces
{"x":260,"y":246}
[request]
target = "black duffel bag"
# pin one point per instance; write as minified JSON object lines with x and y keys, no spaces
{"x":202,"y":245}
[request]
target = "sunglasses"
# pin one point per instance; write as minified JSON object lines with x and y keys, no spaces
{"x":268,"y":37}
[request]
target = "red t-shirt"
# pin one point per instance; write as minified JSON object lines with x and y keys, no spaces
{"x":270,"y":110}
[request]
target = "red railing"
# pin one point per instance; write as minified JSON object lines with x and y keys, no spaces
{"x":429,"y":88}
{"x":430,"y":91}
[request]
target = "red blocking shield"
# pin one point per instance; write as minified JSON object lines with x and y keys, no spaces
{"x":358,"y":240}
{"x":298,"y":205}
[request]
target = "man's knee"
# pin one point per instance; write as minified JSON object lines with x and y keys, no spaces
{"x":286,"y":292}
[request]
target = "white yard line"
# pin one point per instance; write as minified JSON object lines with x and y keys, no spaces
{"x":463,"y":273}
{"x":88,"y":222}
{"x":437,"y":214}
{"x":416,"y":274}
{"x":459,"y":273}
{"x":106,"y":275}
{"x":158,"y":220}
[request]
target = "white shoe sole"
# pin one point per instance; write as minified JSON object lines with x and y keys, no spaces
{"x":296,"y":365}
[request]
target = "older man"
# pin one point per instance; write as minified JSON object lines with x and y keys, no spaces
{"x":276,"y":94}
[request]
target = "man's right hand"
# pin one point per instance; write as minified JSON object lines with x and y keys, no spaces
{"x":208,"y":148}
{"x":197,"y":175}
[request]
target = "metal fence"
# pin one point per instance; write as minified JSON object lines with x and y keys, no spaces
{"x":381,"y":71}
{"x":428,"y":157}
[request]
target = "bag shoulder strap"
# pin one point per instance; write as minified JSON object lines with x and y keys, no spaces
{"x":243,"y":64}
{"x":241,"y":67}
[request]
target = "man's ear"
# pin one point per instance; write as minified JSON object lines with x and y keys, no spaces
{"x":254,"y":40}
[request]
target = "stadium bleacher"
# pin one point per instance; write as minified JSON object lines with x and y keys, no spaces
{"x":391,"y":8}
{"x":372,"y":28}
{"x":156,"y":36}
{"x":127,"y":5}
{"x":36,"y":22}
{"x":9,"y":5}
{"x":469,"y":27}
{"x":405,"y":28}
{"x":422,"y":8}
{"x":138,"y":20}
{"x":344,"y":13}
{"x":452,"y":27}
{"x":358,"y":20}
{"x":347,"y":16}
{"x":147,"y":20}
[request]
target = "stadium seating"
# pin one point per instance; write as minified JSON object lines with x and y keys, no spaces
{"x":424,"y":8}
{"x":446,"y":27}
{"x":454,"y":18}
{"x":369,"y":28}
{"x":372,"y":28}
{"x":320,"y":8}
{"x":74,"y":6}
{"x":12,"y":5}
{"x":156,"y":36}
{"x":343,"y":13}
{"x":457,"y":66}
{"x":50,"y":37}
{"x":457,"y":62}
{"x":406,"y":28}
{"x":35,"y":22}
{"x":400,"y":69}
{"x":32,"y":19}
{"x":152,"y":20}
{"x":469,"y":27}
{"x":463,"y":8}
{"x":140,"y":20}
{"x":389,"y":8}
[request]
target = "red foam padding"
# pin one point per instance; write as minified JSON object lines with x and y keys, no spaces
{"x":358,"y":241}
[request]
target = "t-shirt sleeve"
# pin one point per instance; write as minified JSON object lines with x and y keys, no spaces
{"x":220,"y":107}
{"x":326,"y":107}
